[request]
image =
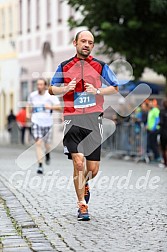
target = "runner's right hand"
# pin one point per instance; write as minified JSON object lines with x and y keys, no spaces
{"x":71,"y":86}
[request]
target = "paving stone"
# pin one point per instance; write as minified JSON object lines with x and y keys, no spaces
{"x":41,"y":247}
{"x":17,"y":249}
{"x":17,"y":242}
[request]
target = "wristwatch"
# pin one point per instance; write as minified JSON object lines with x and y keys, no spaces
{"x":98,"y":91}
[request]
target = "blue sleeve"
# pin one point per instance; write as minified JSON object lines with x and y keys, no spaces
{"x":108,"y":77}
{"x":57,"y":79}
{"x":156,"y":123}
{"x":139,"y":115}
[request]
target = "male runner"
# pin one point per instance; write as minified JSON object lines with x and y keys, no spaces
{"x":39,"y":109}
{"x":82,"y":76}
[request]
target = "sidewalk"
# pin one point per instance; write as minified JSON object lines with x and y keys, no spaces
{"x":42,"y":215}
{"x":18,"y":231}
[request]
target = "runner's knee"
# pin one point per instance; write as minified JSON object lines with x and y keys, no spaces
{"x":79,"y":166}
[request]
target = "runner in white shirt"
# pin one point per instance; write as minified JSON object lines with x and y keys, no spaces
{"x":39,"y":109}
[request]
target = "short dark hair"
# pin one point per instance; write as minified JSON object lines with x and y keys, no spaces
{"x":78,"y":33}
{"x":44,"y":80}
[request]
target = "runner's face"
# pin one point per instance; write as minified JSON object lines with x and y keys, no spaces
{"x":84,"y":44}
{"x":151,"y":104}
{"x":41,"y":86}
{"x":144,"y":107}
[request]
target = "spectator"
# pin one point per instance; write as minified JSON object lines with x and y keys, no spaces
{"x":11,"y":118}
{"x":141,"y":113}
{"x":163,"y":131}
{"x":139,"y":117}
{"x":136,"y":119}
{"x":153,"y":129}
{"x":144,"y":112}
{"x":12,"y":128}
{"x":21,"y":120}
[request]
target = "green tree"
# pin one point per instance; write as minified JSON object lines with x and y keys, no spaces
{"x":135,"y":29}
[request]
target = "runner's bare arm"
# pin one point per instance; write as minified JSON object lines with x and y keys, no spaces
{"x":54,"y":90}
{"x":53,"y":107}
{"x":57,"y":108}
{"x":103,"y":91}
{"x":108,"y":90}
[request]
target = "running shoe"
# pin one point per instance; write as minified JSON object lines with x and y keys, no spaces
{"x":47,"y":158}
{"x":40,"y":170}
{"x":83,"y":214}
{"x":87,"y":193}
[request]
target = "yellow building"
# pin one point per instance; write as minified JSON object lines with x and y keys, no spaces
{"x":9,"y":69}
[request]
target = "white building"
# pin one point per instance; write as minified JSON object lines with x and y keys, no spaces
{"x":34,"y":39}
{"x":44,"y":40}
{"x":9,"y":69}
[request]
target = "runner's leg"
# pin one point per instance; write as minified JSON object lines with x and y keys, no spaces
{"x":79,"y":175}
{"x":79,"y":182}
{"x":92,"y":168}
{"x":47,"y":140}
{"x":47,"y":153}
{"x":47,"y":147}
{"x":39,"y":152}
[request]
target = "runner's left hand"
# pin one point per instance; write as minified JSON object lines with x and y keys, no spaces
{"x":90,"y":88}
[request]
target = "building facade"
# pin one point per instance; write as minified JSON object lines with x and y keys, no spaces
{"x":44,"y":40}
{"x":34,"y":39}
{"x":9,"y":68}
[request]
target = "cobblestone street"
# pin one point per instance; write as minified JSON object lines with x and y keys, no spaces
{"x":39,"y":212}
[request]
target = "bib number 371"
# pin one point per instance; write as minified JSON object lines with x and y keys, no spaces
{"x":83,"y":100}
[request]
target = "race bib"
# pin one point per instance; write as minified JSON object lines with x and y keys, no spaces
{"x":39,"y":109}
{"x":84,"y":100}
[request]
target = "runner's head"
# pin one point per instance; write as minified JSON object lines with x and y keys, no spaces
{"x":152,"y":103}
{"x":84,"y":43}
{"x":41,"y":85}
{"x":144,"y":106}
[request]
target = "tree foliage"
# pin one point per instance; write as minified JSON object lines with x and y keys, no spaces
{"x":135,"y":29}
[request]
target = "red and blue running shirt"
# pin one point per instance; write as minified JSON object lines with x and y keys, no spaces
{"x":89,"y":70}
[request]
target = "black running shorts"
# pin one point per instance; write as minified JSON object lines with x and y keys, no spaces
{"x":83,"y":134}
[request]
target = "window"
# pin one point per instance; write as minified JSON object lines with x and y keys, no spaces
{"x":10,"y":21}
{"x":28,"y":45}
{"x":3,"y":23}
{"x":21,"y":46}
{"x":59,"y":11}
{"x":38,"y":43}
{"x":11,"y":100}
{"x":71,"y":12}
{"x":48,"y":13}
{"x":24,"y":90}
{"x":34,"y":85}
{"x":37,"y":13}
{"x":20,"y":16}
{"x":59,"y":38}
{"x":28,"y":15}
{"x":4,"y":106}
